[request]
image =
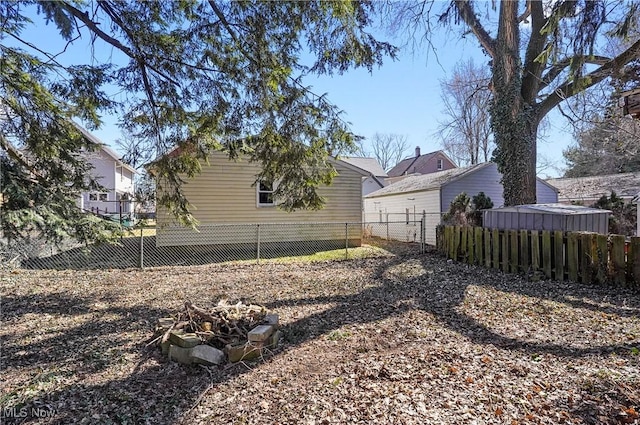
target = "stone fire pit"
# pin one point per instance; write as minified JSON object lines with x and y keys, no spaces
{"x":227,"y":332}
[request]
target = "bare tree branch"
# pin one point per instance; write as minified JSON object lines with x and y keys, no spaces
{"x":468,"y":15}
{"x":560,"y":66}
{"x":569,"y":88}
{"x":533,"y":68}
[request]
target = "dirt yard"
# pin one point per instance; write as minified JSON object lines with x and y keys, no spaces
{"x":401,"y":339}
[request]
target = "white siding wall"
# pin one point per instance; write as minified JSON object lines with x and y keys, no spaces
{"x":223,"y":194}
{"x":487,"y":180}
{"x":397,"y":205}
{"x":104,"y":172}
{"x":545,"y":194}
{"x":123,"y":180}
{"x":369,"y":185}
{"x":104,"y":169}
{"x":113,"y":179}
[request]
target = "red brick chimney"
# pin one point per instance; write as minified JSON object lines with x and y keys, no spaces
{"x":417,"y":151}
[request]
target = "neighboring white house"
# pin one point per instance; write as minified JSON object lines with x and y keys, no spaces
{"x":225,"y":193}
{"x":377,"y":175}
{"x":433,"y":193}
{"x":115,"y":176}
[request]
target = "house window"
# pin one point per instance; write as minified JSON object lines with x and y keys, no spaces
{"x":440,"y":164}
{"x":102,"y":197}
{"x":265,"y":194}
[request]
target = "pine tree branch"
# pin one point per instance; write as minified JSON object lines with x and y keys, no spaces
{"x":18,"y":156}
{"x":93,"y":27}
{"x":230,"y":31}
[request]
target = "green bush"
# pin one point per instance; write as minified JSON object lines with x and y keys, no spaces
{"x":465,"y":211}
{"x":622,"y":220}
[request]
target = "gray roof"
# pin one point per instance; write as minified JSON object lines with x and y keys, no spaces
{"x":368,"y":164}
{"x":402,"y":168}
{"x":590,"y":188}
{"x":560,"y":209}
{"x":429,"y":181}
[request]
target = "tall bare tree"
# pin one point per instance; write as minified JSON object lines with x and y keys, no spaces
{"x":542,"y":53}
{"x":466,"y":134}
{"x":387,"y":148}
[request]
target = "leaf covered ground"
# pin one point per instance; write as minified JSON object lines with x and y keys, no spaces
{"x":398,"y":339}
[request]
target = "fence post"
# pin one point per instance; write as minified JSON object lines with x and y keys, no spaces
{"x":387,"y":226}
{"x":423,"y":230}
{"x":141,"y":247}
{"x":258,"y":244}
{"x":346,"y":241}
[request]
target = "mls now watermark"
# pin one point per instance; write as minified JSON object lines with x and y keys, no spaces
{"x":28,"y":412}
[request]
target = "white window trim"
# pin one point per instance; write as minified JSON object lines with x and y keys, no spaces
{"x":440,"y":164}
{"x":258,"y":192}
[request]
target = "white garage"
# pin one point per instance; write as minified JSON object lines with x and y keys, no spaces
{"x":432,"y":194}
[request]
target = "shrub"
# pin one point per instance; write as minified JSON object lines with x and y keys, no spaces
{"x":478,"y":203}
{"x":623,"y":215}
{"x":464,"y":211}
{"x":458,"y":211}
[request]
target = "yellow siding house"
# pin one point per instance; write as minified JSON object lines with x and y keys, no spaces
{"x":225,"y":194}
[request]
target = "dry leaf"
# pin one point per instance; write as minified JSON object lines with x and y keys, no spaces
{"x":83,"y":330}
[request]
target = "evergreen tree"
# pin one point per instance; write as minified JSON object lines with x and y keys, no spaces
{"x":192,"y":75}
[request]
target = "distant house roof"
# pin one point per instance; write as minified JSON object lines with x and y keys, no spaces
{"x":113,"y":154}
{"x":426,"y":181}
{"x":415,"y":162}
{"x":592,"y":188}
{"x":370,"y":165}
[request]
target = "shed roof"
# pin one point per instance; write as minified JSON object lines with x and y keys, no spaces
{"x":429,"y":181}
{"x":590,"y":188}
{"x":559,"y":209}
{"x":368,"y":164}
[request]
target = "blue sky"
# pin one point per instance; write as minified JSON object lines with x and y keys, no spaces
{"x":402,"y":96}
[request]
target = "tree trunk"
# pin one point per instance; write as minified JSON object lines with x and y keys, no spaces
{"x":514,"y":123}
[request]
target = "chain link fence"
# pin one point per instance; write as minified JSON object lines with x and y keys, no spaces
{"x":154,"y":246}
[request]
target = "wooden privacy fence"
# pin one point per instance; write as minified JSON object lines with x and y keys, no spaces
{"x":578,"y":256}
